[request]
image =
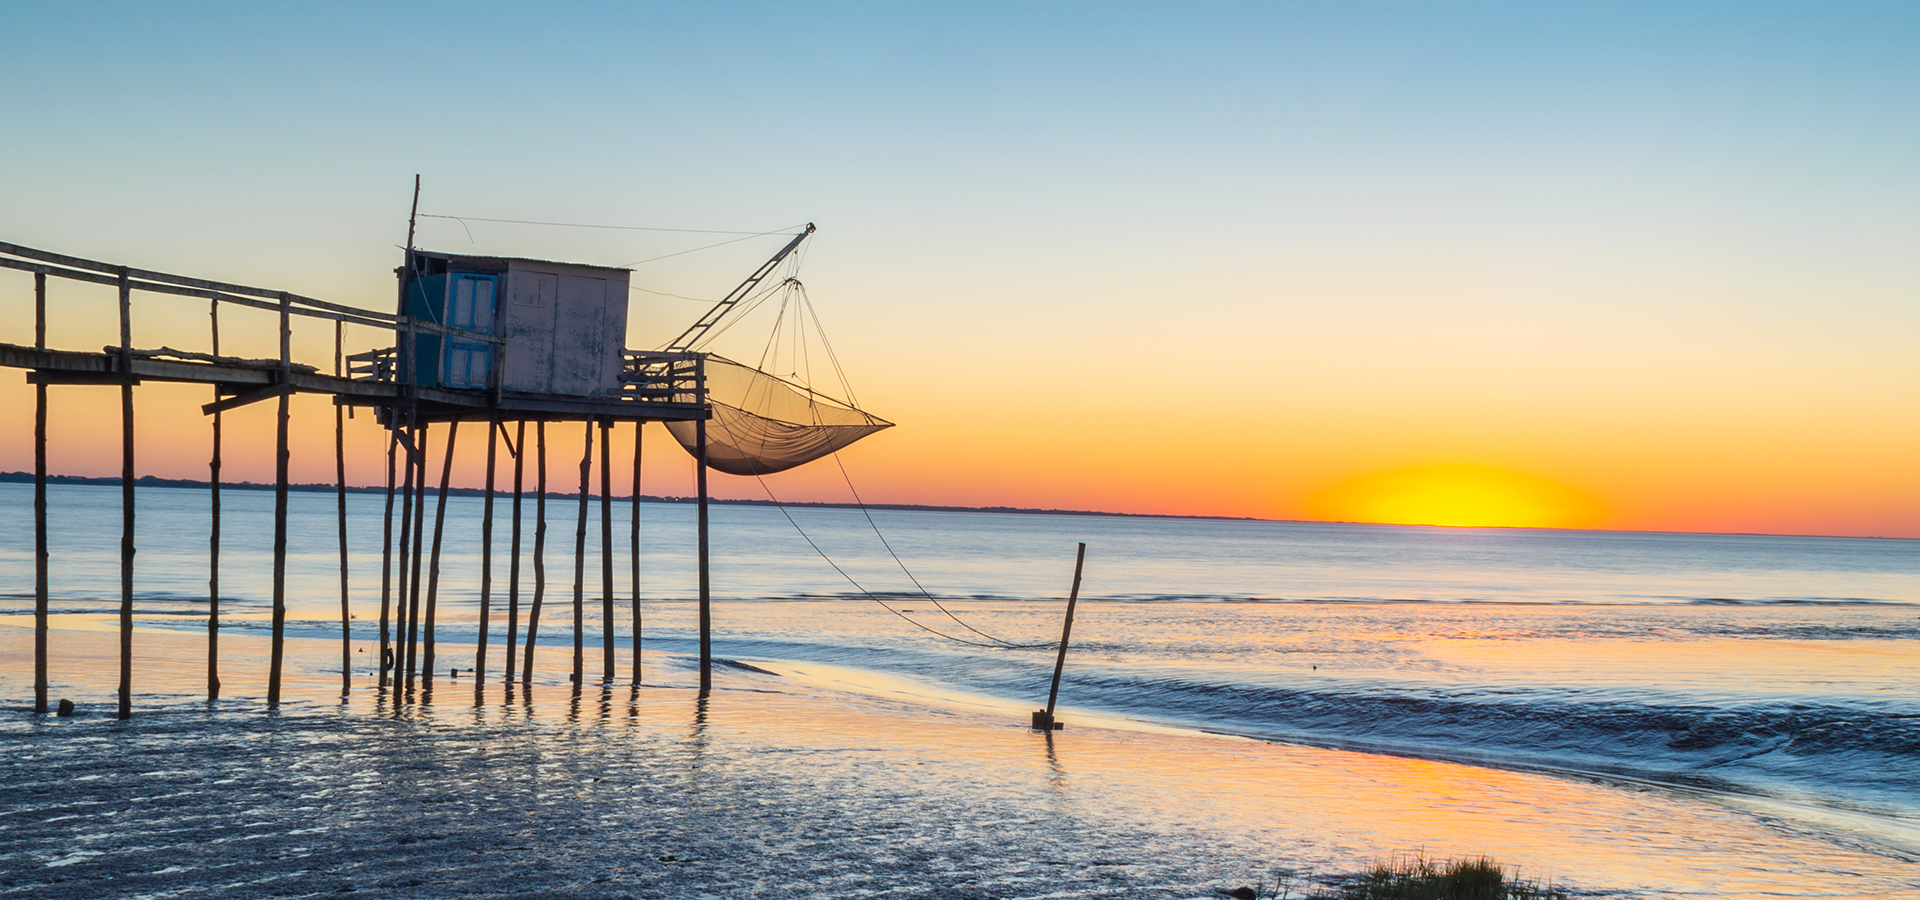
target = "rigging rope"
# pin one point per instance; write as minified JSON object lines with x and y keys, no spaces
{"x":1003,"y":645}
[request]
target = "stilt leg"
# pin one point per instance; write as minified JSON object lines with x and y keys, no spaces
{"x":40,"y":504}
{"x":580,"y":564}
{"x":706,"y":615}
{"x":633,"y":551}
{"x":606,"y":551}
{"x":486,"y":559}
{"x":340,"y":485}
{"x":280,"y":455}
{"x":433,"y":569}
{"x":419,"y":536}
{"x":126,"y":498}
{"x":513,"y":567}
{"x":386,"y":547}
{"x":539,"y":547}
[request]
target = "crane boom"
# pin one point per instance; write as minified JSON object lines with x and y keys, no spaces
{"x":699,"y":329}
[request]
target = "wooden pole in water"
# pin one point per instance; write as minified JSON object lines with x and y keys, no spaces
{"x":633,"y":550}
{"x":411,"y":447}
{"x":539,"y":548}
{"x":340,"y":485}
{"x":433,"y":569}
{"x":606,"y":550}
{"x":486,"y":558}
{"x":280,"y":455}
{"x":213,"y":538}
{"x":706,"y":616}
{"x":519,"y":448}
{"x":1066,"y":631}
{"x":40,"y":502}
{"x":419,"y":533}
{"x":580,"y":564}
{"x":126,"y":496}
{"x":386,"y":545}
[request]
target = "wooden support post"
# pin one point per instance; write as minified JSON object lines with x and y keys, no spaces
{"x":633,"y":550}
{"x":126,"y":496}
{"x":580,"y":564}
{"x":433,"y":569}
{"x":706,"y":614}
{"x":606,"y":550}
{"x":539,"y":548}
{"x":1043,"y":719}
{"x":340,"y":486}
{"x":386,"y":546}
{"x":213,"y":537}
{"x":411,"y":446}
{"x":419,"y":533}
{"x":486,"y":559}
{"x":513,"y":567}
{"x":280,"y":454}
{"x":40,"y":502}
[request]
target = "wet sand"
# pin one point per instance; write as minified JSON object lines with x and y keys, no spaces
{"x":807,"y":783}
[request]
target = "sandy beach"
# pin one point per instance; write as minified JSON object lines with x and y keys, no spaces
{"x":796,"y":781}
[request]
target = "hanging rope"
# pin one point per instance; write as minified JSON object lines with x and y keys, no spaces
{"x":1002,"y":645}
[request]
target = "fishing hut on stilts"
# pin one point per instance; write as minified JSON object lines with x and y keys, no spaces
{"x":506,"y":344}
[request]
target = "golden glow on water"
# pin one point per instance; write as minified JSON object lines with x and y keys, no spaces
{"x":1460,"y":495}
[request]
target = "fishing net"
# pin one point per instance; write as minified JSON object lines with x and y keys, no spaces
{"x":764,"y":424}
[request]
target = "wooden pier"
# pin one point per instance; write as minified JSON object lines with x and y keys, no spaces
{"x":485,"y":369}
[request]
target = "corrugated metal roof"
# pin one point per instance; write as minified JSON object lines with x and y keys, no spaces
{"x":519,"y":259}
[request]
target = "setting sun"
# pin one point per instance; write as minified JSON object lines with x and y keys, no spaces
{"x":1457,"y":495}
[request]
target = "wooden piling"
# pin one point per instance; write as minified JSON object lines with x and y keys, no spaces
{"x":580,"y":564}
{"x":411,"y":446}
{"x":126,"y":496}
{"x":433,"y":568}
{"x":419,"y":535}
{"x":539,"y":548}
{"x":213,"y":537}
{"x":519,"y":448}
{"x":340,"y":486}
{"x":633,"y":550}
{"x":40,"y":502}
{"x":706,"y":615}
{"x":386,"y":547}
{"x":1066,"y":632}
{"x":486,"y":559}
{"x":280,"y":455}
{"x":606,"y":550}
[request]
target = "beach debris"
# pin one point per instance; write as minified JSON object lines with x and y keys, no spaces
{"x":65,"y":708}
{"x":1241,"y":893}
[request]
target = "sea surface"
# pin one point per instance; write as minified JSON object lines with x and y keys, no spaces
{"x":1775,"y":680}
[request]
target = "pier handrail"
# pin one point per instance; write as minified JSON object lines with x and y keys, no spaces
{"x":78,"y":269}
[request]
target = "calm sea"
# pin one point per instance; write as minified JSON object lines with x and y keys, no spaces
{"x":1776,"y":674}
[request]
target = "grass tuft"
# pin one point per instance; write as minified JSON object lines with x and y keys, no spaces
{"x":1420,"y":878}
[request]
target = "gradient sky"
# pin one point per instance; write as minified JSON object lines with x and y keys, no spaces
{"x":1654,"y":266}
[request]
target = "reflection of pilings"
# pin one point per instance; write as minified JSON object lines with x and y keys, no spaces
{"x":340,"y":484}
{"x":40,"y":502}
{"x":433,"y":569}
{"x":580,"y":564}
{"x":386,"y":546}
{"x":126,"y":497}
{"x":539,"y":546}
{"x":706,"y":617}
{"x":280,"y":455}
{"x":409,"y":442}
{"x":519,"y":448}
{"x":606,"y":551}
{"x":419,"y":533}
{"x":486,"y":559}
{"x":213,"y":538}
{"x":633,"y":553}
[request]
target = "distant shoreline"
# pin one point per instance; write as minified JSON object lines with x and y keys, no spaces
{"x":150,"y":481}
{"x":318,"y":488}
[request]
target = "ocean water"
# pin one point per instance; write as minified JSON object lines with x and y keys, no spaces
{"x":1772,"y":679}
